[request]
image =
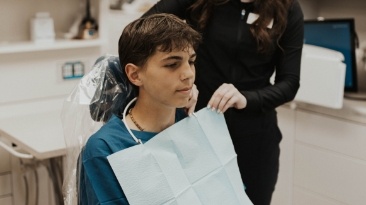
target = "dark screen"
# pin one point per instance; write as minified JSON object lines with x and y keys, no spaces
{"x":339,"y":35}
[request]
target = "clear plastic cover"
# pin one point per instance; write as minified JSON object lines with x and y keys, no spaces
{"x":104,"y":91}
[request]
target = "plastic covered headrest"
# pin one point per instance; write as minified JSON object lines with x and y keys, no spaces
{"x":115,"y":91}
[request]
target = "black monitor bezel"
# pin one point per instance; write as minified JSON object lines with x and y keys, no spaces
{"x":351,"y":22}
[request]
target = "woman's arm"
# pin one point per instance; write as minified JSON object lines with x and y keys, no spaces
{"x":287,"y":67}
{"x":287,"y":78}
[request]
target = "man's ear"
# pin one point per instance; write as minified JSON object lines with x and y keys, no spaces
{"x":132,"y":72}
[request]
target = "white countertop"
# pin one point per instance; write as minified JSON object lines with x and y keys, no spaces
{"x":352,"y":110}
{"x":35,"y":127}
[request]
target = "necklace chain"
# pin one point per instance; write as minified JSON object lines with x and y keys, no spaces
{"x":134,"y":121}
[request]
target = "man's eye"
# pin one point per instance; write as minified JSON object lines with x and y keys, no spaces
{"x":172,"y":65}
{"x":192,"y":62}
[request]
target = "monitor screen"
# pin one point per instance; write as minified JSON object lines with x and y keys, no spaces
{"x":339,"y":35}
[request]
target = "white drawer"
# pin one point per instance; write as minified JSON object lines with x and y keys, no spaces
{"x":283,"y":192}
{"x":330,"y":133}
{"x":6,"y":200}
{"x":306,"y":197}
{"x":5,"y":184}
{"x":4,"y":161}
{"x":330,"y":174}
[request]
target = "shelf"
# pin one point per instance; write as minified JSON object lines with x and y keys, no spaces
{"x":28,"y":46}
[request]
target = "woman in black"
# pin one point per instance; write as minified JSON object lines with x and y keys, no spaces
{"x":244,"y":43}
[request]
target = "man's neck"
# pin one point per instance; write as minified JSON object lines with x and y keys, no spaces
{"x":153,"y":118}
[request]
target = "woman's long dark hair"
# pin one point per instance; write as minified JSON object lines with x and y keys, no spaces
{"x":267,"y":9}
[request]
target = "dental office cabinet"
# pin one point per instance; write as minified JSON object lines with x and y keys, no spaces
{"x":323,"y":157}
{"x":34,"y":82}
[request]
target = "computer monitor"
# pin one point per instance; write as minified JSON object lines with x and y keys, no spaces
{"x":339,"y":35}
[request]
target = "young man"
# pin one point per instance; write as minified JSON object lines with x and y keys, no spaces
{"x":157,"y":54}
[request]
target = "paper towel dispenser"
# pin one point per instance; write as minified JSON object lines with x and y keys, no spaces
{"x":322,"y":77}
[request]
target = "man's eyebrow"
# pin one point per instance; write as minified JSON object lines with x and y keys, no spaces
{"x":178,"y":57}
{"x":173,"y":58}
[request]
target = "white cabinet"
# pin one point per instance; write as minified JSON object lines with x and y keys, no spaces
{"x":330,"y":158}
{"x":325,"y":160}
{"x":5,"y":185}
{"x":5,"y":178}
{"x":283,"y":191}
{"x":334,"y":134}
{"x":6,"y":200}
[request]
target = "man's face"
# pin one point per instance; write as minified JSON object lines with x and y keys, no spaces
{"x":167,"y":77}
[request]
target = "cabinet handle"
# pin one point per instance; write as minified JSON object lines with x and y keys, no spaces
{"x":14,"y":152}
{"x":293,"y":105}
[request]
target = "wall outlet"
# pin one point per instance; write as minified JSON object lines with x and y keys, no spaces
{"x":72,"y":70}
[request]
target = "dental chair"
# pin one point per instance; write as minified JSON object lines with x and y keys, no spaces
{"x":102,"y":92}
